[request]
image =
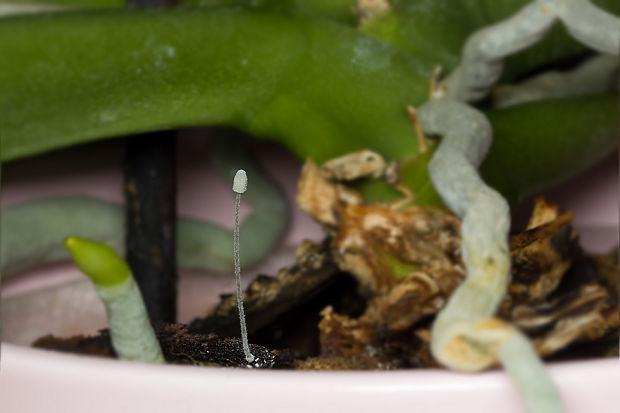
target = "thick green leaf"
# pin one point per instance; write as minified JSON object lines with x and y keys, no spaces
{"x":540,"y":144}
{"x":318,"y":87}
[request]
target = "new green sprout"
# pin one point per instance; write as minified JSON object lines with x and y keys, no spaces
{"x":131,"y":332}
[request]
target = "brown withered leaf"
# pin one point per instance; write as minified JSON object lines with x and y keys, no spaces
{"x":543,"y":213}
{"x":324,"y":198}
{"x":540,"y":257}
{"x":583,"y":309}
{"x":378,"y":244}
{"x":591,"y":315}
{"x":407,"y":263}
{"x":381,"y":246}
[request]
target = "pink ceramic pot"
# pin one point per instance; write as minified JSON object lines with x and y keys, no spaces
{"x":58,"y":300}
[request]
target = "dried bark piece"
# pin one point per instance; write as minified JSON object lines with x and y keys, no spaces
{"x":266,"y":298}
{"x":361,"y":344}
{"x":540,"y":257}
{"x":587,"y":323}
{"x":583,"y":309}
{"x":533,"y":317}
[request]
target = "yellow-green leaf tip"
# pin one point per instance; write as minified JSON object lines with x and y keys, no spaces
{"x":98,"y":261}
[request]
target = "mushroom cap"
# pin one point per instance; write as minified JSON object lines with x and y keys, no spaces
{"x":240,"y":182}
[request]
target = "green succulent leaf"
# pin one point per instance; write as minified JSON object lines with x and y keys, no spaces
{"x":320,"y":87}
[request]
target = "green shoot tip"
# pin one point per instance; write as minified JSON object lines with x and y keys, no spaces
{"x":98,"y":261}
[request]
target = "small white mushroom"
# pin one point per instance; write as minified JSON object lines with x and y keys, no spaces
{"x":240,"y":182}
{"x":240,"y":185}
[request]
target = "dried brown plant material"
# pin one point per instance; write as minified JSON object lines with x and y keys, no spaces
{"x":353,"y":339}
{"x":584,"y":307}
{"x":321,"y":198}
{"x":543,"y":213}
{"x":407,"y":262}
{"x":332,"y":363}
{"x":532,"y":317}
{"x":266,"y":298}
{"x":607,"y":268}
{"x":378,"y":244}
{"x":585,"y":314}
{"x":381,"y":246}
{"x":598,"y":322}
{"x":359,"y":164}
{"x":365,"y":345}
{"x":540,"y":257}
{"x":409,"y":301}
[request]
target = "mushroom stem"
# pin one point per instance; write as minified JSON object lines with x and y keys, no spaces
{"x":240,"y":184}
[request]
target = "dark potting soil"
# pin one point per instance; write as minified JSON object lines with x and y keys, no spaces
{"x":179,"y":346}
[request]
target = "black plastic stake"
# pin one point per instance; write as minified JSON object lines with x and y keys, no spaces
{"x":150,"y":195}
{"x":150,"y":238}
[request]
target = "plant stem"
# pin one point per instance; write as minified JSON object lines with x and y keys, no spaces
{"x":150,"y":240}
{"x":131,"y":333}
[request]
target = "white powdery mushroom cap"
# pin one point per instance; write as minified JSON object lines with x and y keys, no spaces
{"x":240,"y":183}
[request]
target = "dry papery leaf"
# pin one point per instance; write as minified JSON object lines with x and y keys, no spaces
{"x":407,"y":263}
